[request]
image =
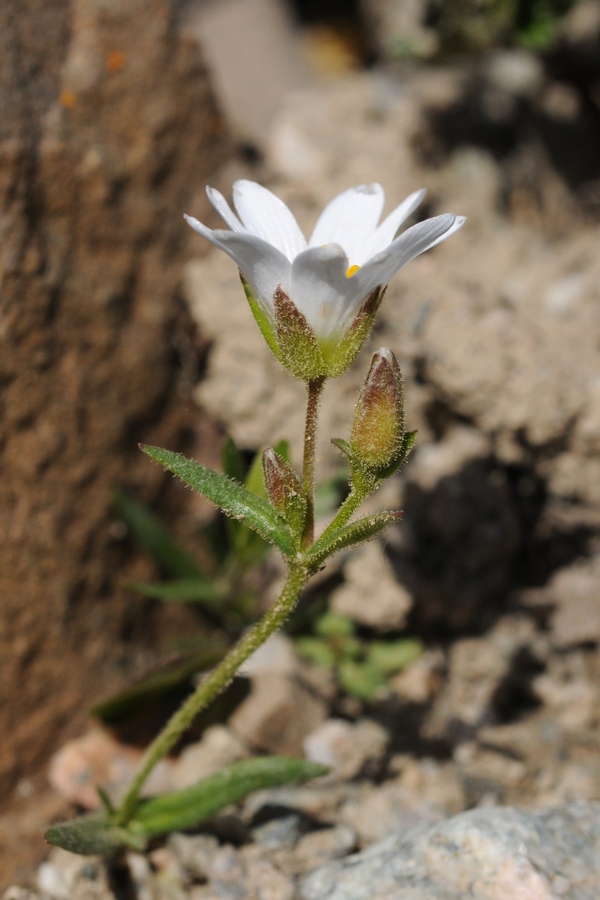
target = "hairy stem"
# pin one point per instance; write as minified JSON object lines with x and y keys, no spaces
{"x":308,"y":473}
{"x":212,"y":685}
{"x":348,"y":507}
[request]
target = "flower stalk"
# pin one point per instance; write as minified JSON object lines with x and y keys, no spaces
{"x":315,"y":389}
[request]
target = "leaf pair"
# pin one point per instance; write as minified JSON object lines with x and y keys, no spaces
{"x":97,"y":834}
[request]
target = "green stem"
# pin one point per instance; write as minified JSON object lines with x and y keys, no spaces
{"x":346,"y":510}
{"x":308,"y":472}
{"x":218,"y":679}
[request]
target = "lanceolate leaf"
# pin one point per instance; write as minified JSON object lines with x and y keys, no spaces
{"x":186,"y":809}
{"x":92,"y":835}
{"x":152,"y":534}
{"x":231,"y":497}
{"x":362,"y":530}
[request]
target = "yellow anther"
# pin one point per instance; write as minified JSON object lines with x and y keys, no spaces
{"x":351,"y":271}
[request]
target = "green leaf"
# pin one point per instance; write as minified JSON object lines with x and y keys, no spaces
{"x":92,"y":835}
{"x":315,"y":650}
{"x":356,"y":533}
{"x":186,"y":809}
{"x":393,"y":656}
{"x":261,"y":319}
{"x":231,"y":460}
{"x":333,"y":624}
{"x":149,"y":531}
{"x":181,"y":590}
{"x":122,"y":706}
{"x":360,"y":679}
{"x":234,"y":499}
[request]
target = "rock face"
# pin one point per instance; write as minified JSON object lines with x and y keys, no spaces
{"x":484,"y":853}
{"x":107,"y":128}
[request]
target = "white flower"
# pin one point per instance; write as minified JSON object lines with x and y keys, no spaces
{"x":347,"y":256}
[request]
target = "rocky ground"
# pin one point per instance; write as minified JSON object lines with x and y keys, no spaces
{"x":496,"y":565}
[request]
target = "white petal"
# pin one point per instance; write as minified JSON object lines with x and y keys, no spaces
{"x":263,"y":266}
{"x":350,"y":220}
{"x":267,"y":217}
{"x":320,"y":288}
{"x":385,"y":233}
{"x":411,"y":243}
{"x":223,"y":208}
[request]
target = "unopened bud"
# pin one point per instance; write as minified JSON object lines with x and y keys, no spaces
{"x":378,"y":427}
{"x":284,"y":489}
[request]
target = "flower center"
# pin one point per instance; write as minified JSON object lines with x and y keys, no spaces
{"x":351,"y":271}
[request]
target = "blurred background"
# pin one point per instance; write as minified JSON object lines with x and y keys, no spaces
{"x":470,"y":635}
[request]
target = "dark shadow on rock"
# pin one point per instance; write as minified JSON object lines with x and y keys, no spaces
{"x":475,"y":538}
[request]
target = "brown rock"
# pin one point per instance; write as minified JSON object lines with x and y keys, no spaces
{"x":371,"y":595}
{"x":420,"y":681}
{"x":217,"y":749}
{"x":576,"y":592}
{"x":345,"y":747}
{"x":277,"y":715}
{"x":107,"y":130}
{"x":97,"y":759}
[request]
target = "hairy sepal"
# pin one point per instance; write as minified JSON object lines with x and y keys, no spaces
{"x":299,"y":350}
{"x":341,"y":356}
{"x":285,"y":491}
{"x":262,"y":319}
{"x":364,"y":479}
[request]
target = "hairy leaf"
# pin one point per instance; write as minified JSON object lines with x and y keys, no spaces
{"x":186,"y":809}
{"x":231,"y":497}
{"x":355,"y":533}
{"x":92,"y":835}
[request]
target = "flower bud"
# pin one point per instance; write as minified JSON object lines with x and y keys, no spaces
{"x":378,"y":427}
{"x":284,"y":489}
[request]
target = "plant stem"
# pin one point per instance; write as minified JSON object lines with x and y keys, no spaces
{"x":215,"y":682}
{"x":348,"y":507}
{"x":308,"y":472}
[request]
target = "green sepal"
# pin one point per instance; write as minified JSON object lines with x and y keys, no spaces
{"x":234,"y":499}
{"x":345,"y":448}
{"x":299,"y":350}
{"x":348,"y":535}
{"x":93,"y":835}
{"x":187,"y":808}
{"x":262,"y":320}
{"x":366,"y":480}
{"x":341,"y":355}
{"x":285,"y":491}
{"x":248,"y":547}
